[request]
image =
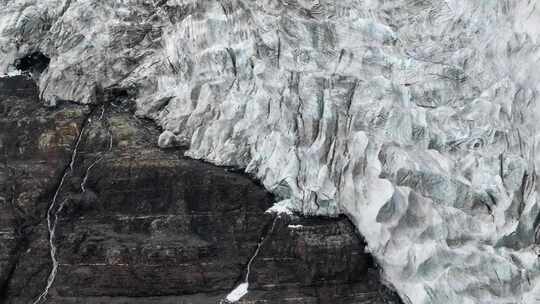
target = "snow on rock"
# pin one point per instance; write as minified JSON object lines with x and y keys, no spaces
{"x":237,"y":293}
{"x":11,"y":74}
{"x":295,"y":226}
{"x":417,"y":119}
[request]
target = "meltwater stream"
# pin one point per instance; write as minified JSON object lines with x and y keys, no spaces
{"x":242,"y":289}
{"x":52,"y":214}
{"x":52,"y":220}
{"x":100,"y":156}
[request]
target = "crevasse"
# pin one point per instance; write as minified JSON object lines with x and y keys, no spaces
{"x":417,"y":119}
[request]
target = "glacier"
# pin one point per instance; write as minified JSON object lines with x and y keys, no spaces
{"x":417,"y":119}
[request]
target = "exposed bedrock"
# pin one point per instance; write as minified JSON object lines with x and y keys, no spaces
{"x":140,"y":224}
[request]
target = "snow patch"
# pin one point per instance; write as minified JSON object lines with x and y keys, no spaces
{"x":11,"y":74}
{"x":237,"y":293}
{"x":295,"y":226}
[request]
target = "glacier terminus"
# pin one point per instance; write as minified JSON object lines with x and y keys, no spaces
{"x":418,"y":120}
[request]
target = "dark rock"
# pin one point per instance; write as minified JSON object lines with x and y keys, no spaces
{"x":35,"y":145}
{"x":315,"y":260}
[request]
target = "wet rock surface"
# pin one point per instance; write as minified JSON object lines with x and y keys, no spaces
{"x":139,"y":224}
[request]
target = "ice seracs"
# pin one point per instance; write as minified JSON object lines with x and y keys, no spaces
{"x":168,"y":139}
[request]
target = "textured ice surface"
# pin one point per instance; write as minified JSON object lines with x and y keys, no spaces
{"x":417,"y":119}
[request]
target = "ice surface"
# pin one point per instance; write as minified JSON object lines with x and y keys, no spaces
{"x":417,"y":119}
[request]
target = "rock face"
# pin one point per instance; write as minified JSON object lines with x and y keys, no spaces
{"x":137,"y":224}
{"x":315,"y":260}
{"x":35,"y":147}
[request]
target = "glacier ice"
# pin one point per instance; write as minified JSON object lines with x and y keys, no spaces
{"x":168,"y":139}
{"x":417,"y":119}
